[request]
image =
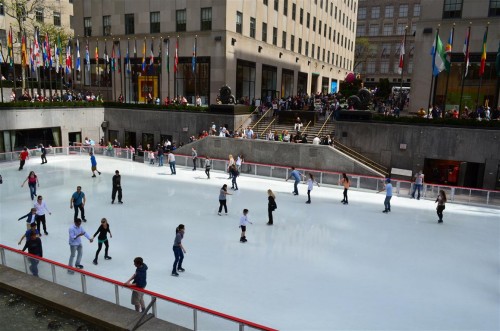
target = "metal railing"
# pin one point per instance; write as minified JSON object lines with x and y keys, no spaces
{"x":361,"y":158}
{"x":307,"y":126}
{"x":263,"y":133}
{"x":163,"y":307}
{"x":324,"y":124}
{"x":246,"y":119}
{"x":256,"y":124}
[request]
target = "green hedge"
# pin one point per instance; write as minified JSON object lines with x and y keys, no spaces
{"x":437,"y":121}
{"x":154,"y":107}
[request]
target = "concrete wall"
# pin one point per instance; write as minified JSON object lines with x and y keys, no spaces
{"x":381,"y":143}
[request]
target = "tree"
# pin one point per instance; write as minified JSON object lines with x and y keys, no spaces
{"x":361,"y":52}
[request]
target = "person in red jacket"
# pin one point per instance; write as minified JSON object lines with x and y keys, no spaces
{"x":22,"y":158}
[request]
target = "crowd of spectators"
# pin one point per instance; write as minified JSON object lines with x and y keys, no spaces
{"x":67,"y":96}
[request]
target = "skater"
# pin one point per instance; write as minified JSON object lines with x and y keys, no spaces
{"x":151,"y":157}
{"x":93,"y":162}
{"x":30,"y":218}
{"x":103,"y":231}
{"x":34,"y":246}
{"x":28,"y":233}
{"x":171,"y":162}
{"x":297,"y":176}
{"x":41,"y":208}
{"x":388,"y":195}
{"x":234,"y":174}
{"x":222,"y":199}
{"x":179,"y":250}
{"x":32,"y":180}
{"x":344,"y":181}
{"x":441,"y":201}
{"x":138,"y":280}
{"x":239,"y":162}
{"x":310,"y":185}
{"x":160,"y":153}
{"x":117,"y":187}
{"x":417,"y":186}
{"x":78,"y":201}
{"x":44,"y":153}
{"x":271,"y":206}
{"x":208,"y":166}
{"x":231,"y":162}
{"x":194,"y":156}
{"x":23,"y":156}
{"x":243,"y":225}
{"x":75,"y":244}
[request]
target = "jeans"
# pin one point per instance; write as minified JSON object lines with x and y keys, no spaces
{"x":270,"y":215}
{"x":41,"y":219}
{"x":44,"y":158}
{"x":32,"y":190}
{"x":415,"y":188}
{"x":160,"y":160}
{"x":113,"y":193}
{"x":207,"y":172}
{"x":233,"y":182}
{"x":34,"y":266}
{"x":172,"y":167}
{"x":99,"y":247}
{"x":21,"y":164}
{"x":387,"y":203}
{"x":295,"y":188}
{"x":179,"y":257}
{"x":82,"y":211}
{"x":440,"y":212}
{"x":74,"y":249}
{"x":222,"y":203}
{"x":308,"y":195}
{"x":194,"y":164}
{"x":345,"y":195}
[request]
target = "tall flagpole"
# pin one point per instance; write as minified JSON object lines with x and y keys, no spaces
{"x":402,"y":60}
{"x":120,"y":72}
{"x":481,"y":73}
{"x":194,"y":68}
{"x":432,"y":77}
{"x":159,"y":71}
{"x":450,"y":42}
{"x":168,"y":67}
{"x":113,"y":68}
{"x":466,"y":64}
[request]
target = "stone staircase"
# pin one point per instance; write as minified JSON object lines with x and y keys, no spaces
{"x":262,"y":126}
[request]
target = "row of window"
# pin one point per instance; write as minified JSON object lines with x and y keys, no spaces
{"x":387,"y":29}
{"x":453,"y":8}
{"x":40,"y":17}
{"x":384,"y":67}
{"x":350,"y":3}
{"x":389,"y":11}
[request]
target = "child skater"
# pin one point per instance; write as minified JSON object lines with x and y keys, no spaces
{"x":243,"y":225}
{"x":441,"y":201}
{"x":310,"y":184}
{"x":151,"y":156}
{"x":344,"y":181}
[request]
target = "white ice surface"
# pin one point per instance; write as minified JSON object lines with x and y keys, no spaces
{"x":323,"y":266}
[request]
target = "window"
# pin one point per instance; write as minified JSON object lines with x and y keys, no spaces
{"x":206,"y":19}
{"x":389,"y":11}
{"x":416,"y":10}
{"x":388,"y":28}
{"x":384,"y":66}
{"x":330,"y":33}
{"x":301,"y":16}
{"x":319,"y":27}
{"x":154,"y":22}
{"x":87,"y":26}
{"x":292,"y":43}
{"x":324,"y":51}
{"x":370,"y":67}
{"x":3,"y":37}
{"x":252,"y":27}
{"x":265,"y":2}
{"x":413,"y":28}
{"x":401,"y":29}
{"x":312,"y":50}
{"x":375,"y":12}
{"x":264,"y":32}
{"x":285,"y":7}
{"x":106,"y":25}
{"x":360,"y":31}
{"x":308,"y":20}
{"x":180,"y":20}
{"x":294,"y":11}
{"x":374,"y":29}
{"x":386,"y":50}
{"x":276,"y":4}
{"x":361,"y":13}
{"x":314,"y":23}
{"x":275,"y":36}
{"x":409,"y":67}
{"x":283,"y":40}
{"x":239,"y":22}
{"x":129,"y":24}
{"x":307,"y":48}
{"x":38,"y":14}
{"x":2,"y":9}
{"x":328,"y":57}
{"x":57,"y":18}
{"x":300,"y":46}
{"x":324,"y":31}
{"x":452,"y":9}
{"x":494,"y":8}
{"x":403,"y":10}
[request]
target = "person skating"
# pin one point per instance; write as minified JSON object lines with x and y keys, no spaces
{"x":32,"y":180}
{"x":138,"y":279}
{"x":30,"y":218}
{"x":194,"y":156}
{"x":75,"y":244}
{"x":179,"y":250}
{"x":234,"y":174}
{"x":297,"y":177}
{"x":208,"y":166}
{"x":418,"y":185}
{"x":310,"y":185}
{"x":34,"y":246}
{"x":243,"y":225}
{"x":344,"y":181}
{"x":93,"y":163}
{"x":441,"y":201}
{"x":41,"y":208}
{"x":222,"y":199}
{"x":117,"y":187}
{"x":388,"y":196}
{"x":23,"y":156}
{"x":171,"y":162}
{"x":102,"y":238}
{"x":78,"y":201}
{"x":44,"y":154}
{"x":271,"y":206}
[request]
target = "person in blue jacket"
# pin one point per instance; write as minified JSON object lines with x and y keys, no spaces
{"x":297,"y":176}
{"x":138,"y":279}
{"x":93,"y":162}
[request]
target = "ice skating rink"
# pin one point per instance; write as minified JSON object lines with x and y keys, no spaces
{"x":323,"y":266}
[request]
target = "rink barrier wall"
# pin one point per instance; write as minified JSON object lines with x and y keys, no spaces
{"x":402,"y":188}
{"x":181,"y":313}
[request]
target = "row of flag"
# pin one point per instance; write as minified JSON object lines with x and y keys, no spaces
{"x":441,"y":55}
{"x":41,"y":55}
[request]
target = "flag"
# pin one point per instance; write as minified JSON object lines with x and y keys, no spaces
{"x":449,"y":45}
{"x":160,"y":47}
{"x":69,"y":61}
{"x":168,"y":56}
{"x":87,"y":55}
{"x":176,"y":58}
{"x":127,"y":60}
{"x":144,"y":55}
{"x":106,"y":57}
{"x":151,"y":55}
{"x":113,"y":58}
{"x":57,"y":52}
{"x":466,"y":51}
{"x":401,"y":55}
{"x":10,"y":50}
{"x":48,"y":51}
{"x":97,"y":57}
{"x":44,"y":53}
{"x":119,"y":62}
{"x":36,"y":49}
{"x":60,"y":50}
{"x":1,"y":55}
{"x":483,"y":53}
{"x":24,"y":54}
{"x":77,"y":55}
{"x":439,"y":59}
{"x":32,"y":59}
{"x":193,"y":60}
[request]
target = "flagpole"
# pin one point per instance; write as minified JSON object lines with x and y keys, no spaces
{"x":158,"y":73}
{"x":195,"y":71}
{"x":481,"y":73}
{"x":168,"y":66}
{"x":401,"y":102}
{"x":49,"y":60}
{"x":120,"y":65}
{"x":136,"y":78}
{"x":1,"y":73}
{"x":113,"y":68}
{"x":465,"y":69}
{"x":449,"y":71}
{"x":432,"y":77}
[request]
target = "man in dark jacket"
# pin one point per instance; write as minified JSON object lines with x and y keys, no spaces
{"x":117,"y":187}
{"x":34,"y":246}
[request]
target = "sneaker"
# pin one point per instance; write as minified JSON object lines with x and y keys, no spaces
{"x":236,"y":189}
{"x":46,"y":233}
{"x":385,"y":211}
{"x":175,"y":274}
{"x":181,"y":269}
{"x":107,"y":257}
{"x":440,"y":221}
{"x":99,"y":173}
{"x":308,"y":201}
{"x":121,"y":202}
{"x":79,"y":266}
{"x":269,"y":223}
{"x":242,"y":240}
{"x":85,"y":220}
{"x":94,"y":262}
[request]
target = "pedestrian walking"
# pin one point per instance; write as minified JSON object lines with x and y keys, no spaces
{"x":23,"y":156}
{"x":44,"y":153}
{"x":388,"y":195}
{"x":271,"y":206}
{"x":297,"y":176}
{"x":234,"y":174}
{"x":102,"y":238}
{"x":344,"y":181}
{"x":75,"y":244}
{"x":41,"y":208}
{"x":310,"y":185}
{"x":171,"y":162}
{"x":222,"y":199}
{"x":243,"y":225}
{"x":34,"y":246}
{"x":93,"y":163}
{"x":208,"y":166}
{"x":194,"y":156}
{"x":30,"y":218}
{"x":117,"y":187}
{"x":418,"y":184}
{"x":32,"y":180}
{"x":179,"y":250}
{"x":441,"y":202}
{"x":78,"y":201}
{"x":138,"y":279}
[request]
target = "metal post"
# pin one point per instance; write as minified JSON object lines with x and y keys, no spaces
{"x":117,"y":295}
{"x":195,"y":320}
{"x":155,"y":312}
{"x":53,"y":270}
{"x":488,"y":197}
{"x":84,"y":284}
{"x":241,"y":327}
{"x":25,"y":260}
{"x":321,"y":178}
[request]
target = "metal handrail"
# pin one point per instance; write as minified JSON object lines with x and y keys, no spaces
{"x":260,"y":119}
{"x":361,"y":158}
{"x":326,"y":121}
{"x":305,"y":129}
{"x":265,"y":129}
{"x":250,"y":115}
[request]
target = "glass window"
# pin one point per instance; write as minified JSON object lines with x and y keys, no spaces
{"x":452,"y":9}
{"x":319,"y":27}
{"x":389,"y":11}
{"x":388,"y":28}
{"x":87,"y":26}
{"x":3,"y":37}
{"x":292,"y":43}
{"x":314,"y":24}
{"x":361,"y":13}
{"x":206,"y":19}
{"x":264,"y":32}
{"x":276,"y":4}
{"x":57,"y":18}
{"x":106,"y":25}
{"x":494,"y":8}
{"x":307,"y":49}
{"x":285,"y":7}
{"x":416,"y":10}
{"x":264,"y":2}
{"x":154,"y":22}
{"x":294,"y":11}
{"x":403,"y":10}
{"x":301,"y":16}
{"x":252,"y":27}
{"x":409,"y":67}
{"x":386,"y":50}
{"x":370,"y":67}
{"x":374,"y":29}
{"x":360,"y":31}
{"x":413,"y":28}
{"x":308,"y":20}
{"x":384,"y":66}
{"x":2,"y":9}
{"x":300,"y":46}
{"x":275,"y":36}
{"x":401,"y":29}
{"x":129,"y":24}
{"x":312,"y":50}
{"x":38,"y":14}
{"x":245,"y":80}
{"x":180,"y":20}
{"x":239,"y":22}
{"x":376,"y":12}
{"x":283,"y":40}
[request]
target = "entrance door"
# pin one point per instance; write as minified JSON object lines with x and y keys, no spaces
{"x":74,"y":137}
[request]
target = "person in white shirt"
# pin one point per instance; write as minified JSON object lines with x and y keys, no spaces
{"x":249,"y":133}
{"x":41,"y":208}
{"x":198,"y":101}
{"x":243,"y":225}
{"x":171,"y":162}
{"x":310,"y":185}
{"x":75,"y":243}
{"x":239,"y":162}
{"x":316,"y":140}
